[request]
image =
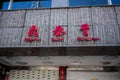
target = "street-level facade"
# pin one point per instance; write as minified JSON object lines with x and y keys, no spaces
{"x":60,"y":40}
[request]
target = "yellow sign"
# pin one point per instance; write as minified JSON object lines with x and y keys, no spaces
{"x":94,"y":78}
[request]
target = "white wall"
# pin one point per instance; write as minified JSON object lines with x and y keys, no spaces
{"x":77,"y":75}
{"x":60,"y":3}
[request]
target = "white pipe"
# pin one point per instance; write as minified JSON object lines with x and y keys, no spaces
{"x":38,"y":4}
{"x":67,"y":3}
{"x":109,"y":2}
{"x":10,"y":5}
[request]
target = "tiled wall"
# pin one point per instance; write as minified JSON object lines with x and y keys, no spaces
{"x":104,"y":23}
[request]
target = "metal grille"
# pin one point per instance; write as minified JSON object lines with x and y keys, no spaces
{"x":34,"y":75}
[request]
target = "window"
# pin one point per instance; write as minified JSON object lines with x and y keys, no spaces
{"x":5,"y":5}
{"x":115,"y":1}
{"x":98,"y":2}
{"x":22,"y":5}
{"x":27,"y":4}
{"x":45,"y":3}
{"x":87,"y":2}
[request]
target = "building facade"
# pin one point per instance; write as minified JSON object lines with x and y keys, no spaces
{"x":28,"y":4}
{"x":59,"y":40}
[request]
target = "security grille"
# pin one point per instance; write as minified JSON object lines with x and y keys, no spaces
{"x":34,"y":75}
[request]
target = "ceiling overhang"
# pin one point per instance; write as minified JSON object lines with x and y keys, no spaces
{"x":88,"y":61}
{"x":60,"y":51}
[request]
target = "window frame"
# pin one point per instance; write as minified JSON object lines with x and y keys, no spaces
{"x":11,"y":2}
{"x":109,"y":2}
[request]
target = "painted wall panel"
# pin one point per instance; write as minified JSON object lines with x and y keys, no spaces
{"x":108,"y":34}
{"x":79,"y":16}
{"x":118,"y":19}
{"x":16,"y":36}
{"x":117,"y":8}
{"x":103,"y":16}
{"x":10,"y":37}
{"x":39,"y":18}
{"x":12,"y":19}
{"x":58,"y":17}
{"x":24,"y":35}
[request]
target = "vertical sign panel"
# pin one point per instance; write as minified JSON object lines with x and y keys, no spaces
{"x":103,"y":16}
{"x":105,"y":26}
{"x":77,"y":17}
{"x":37,"y":17}
{"x":58,"y":17}
{"x":117,"y":9}
{"x":40,"y":18}
{"x":10,"y":37}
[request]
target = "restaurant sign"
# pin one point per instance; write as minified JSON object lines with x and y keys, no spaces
{"x":58,"y":34}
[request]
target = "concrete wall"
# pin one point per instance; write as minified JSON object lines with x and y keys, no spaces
{"x":104,"y":23}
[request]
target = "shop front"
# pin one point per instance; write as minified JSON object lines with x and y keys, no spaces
{"x":66,"y":43}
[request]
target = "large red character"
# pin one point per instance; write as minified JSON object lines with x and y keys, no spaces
{"x":58,"y":33}
{"x":85,"y":28}
{"x":32,"y":34}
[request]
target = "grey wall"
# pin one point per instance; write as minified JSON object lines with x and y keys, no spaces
{"x":104,"y":23}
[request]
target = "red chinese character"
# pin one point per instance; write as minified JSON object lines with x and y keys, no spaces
{"x":85,"y":28}
{"x":58,"y":33}
{"x":32,"y":34}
